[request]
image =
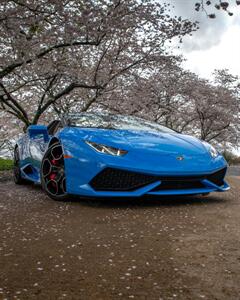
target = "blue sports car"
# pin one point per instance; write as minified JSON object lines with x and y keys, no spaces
{"x":99,"y":155}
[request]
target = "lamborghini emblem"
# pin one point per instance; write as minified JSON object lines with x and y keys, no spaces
{"x":180,"y":158}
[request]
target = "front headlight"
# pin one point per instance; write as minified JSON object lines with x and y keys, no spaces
{"x":106,"y":149}
{"x":213,"y":152}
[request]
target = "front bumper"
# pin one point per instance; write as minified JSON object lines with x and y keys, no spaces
{"x":110,"y":182}
{"x":85,"y":166}
{"x":126,"y":183}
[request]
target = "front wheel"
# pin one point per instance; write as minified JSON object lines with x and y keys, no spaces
{"x":53,"y":173}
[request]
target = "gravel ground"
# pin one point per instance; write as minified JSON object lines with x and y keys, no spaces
{"x":169,"y":248}
{"x":234,"y":170}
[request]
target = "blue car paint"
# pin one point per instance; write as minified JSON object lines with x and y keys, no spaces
{"x":34,"y":130}
{"x":148,"y":153}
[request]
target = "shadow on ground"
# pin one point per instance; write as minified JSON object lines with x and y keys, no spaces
{"x":138,"y":202}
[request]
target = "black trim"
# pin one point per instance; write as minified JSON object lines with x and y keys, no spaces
{"x":53,"y":127}
{"x":217,"y":177}
{"x":111,"y":179}
{"x":179,"y":185}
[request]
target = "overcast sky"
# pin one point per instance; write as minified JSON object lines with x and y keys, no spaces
{"x":216,"y":45}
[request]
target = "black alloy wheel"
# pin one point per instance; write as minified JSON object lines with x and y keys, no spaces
{"x":53,"y":173}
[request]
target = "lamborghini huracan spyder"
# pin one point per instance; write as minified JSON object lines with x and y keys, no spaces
{"x":103,"y":155}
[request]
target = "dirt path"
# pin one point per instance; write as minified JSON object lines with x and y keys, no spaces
{"x":178,"y":248}
{"x":234,"y":170}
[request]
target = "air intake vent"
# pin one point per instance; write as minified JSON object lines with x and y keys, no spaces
{"x":120,"y":180}
{"x":217,"y":177}
{"x":111,"y":179}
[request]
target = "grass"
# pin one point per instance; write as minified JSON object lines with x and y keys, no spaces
{"x":5,"y":164}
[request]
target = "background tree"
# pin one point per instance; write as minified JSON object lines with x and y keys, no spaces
{"x":51,"y":48}
{"x":184,"y":102}
{"x":219,"y":5}
{"x":64,"y":56}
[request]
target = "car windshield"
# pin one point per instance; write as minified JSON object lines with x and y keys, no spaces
{"x":114,"y":122}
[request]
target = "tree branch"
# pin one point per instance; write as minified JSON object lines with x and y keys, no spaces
{"x":7,"y":70}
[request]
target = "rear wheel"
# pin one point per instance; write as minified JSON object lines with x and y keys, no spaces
{"x":16,"y":169}
{"x":53,"y":173}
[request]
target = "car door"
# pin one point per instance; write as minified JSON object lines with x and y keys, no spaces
{"x":37,"y":147}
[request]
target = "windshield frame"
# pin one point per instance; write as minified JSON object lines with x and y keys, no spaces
{"x":147,"y":124}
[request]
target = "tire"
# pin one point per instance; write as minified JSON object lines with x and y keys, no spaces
{"x":17,"y":177}
{"x":205,"y":194}
{"x":53,"y":178}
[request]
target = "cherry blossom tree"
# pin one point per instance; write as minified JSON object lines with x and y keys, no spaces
{"x":218,"y":5}
{"x":52,"y":48}
{"x":76,"y":55}
{"x":186,"y":103}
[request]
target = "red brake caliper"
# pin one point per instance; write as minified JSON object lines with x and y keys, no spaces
{"x":54,"y":162}
{"x":53,"y":175}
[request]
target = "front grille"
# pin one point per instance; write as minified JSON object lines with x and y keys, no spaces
{"x":111,"y":179}
{"x":120,"y":180}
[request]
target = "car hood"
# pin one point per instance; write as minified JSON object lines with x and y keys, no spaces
{"x":141,"y":140}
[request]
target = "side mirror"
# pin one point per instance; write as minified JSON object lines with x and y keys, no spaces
{"x":38,"y":132}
